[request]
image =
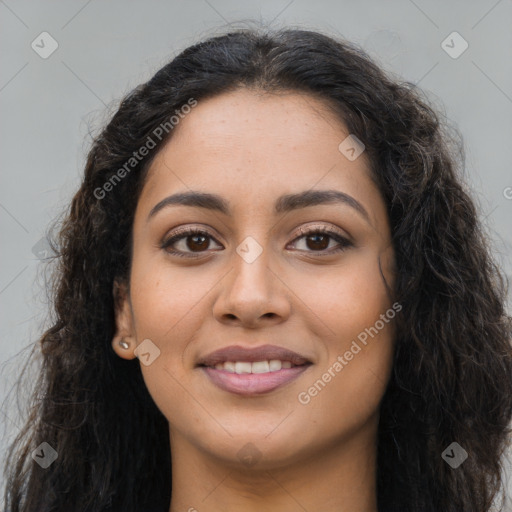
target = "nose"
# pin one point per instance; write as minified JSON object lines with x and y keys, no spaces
{"x":253,"y":294}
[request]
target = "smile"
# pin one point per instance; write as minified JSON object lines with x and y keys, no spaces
{"x":252,"y":370}
{"x":240,"y":367}
{"x":244,"y":378}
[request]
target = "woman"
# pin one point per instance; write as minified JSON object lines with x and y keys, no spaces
{"x":273,"y":282}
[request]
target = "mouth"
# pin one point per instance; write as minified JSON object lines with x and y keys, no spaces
{"x":253,"y":371}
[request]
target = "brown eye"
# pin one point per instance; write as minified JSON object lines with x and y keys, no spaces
{"x":318,"y":240}
{"x":196,"y":241}
{"x":190,"y":243}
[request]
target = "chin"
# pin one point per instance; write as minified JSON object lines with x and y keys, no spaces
{"x":258,"y":450}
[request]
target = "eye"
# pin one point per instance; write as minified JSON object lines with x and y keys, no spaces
{"x":197,"y":241}
{"x":318,"y":238}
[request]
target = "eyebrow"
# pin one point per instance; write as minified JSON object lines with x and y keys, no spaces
{"x":285,"y":203}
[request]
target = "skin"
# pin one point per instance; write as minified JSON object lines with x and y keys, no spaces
{"x":250,"y":148}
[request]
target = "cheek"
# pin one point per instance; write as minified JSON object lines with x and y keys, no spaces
{"x":165,"y":308}
{"x":165,"y":301}
{"x":351,"y":305}
{"x":355,"y":386}
{"x":348,"y":298}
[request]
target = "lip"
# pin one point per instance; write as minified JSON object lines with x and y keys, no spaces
{"x":253,"y":383}
{"x":251,"y":355}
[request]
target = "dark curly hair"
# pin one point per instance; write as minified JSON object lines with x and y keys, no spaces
{"x":452,"y":369}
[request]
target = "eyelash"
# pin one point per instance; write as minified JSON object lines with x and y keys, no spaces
{"x":344,"y":242}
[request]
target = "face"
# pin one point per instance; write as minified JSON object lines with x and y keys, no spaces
{"x":266,"y":263}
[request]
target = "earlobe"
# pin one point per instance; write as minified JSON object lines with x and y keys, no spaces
{"x":123,"y":348}
{"x":124,"y":340}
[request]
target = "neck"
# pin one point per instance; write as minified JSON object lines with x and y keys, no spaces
{"x":341,"y":477}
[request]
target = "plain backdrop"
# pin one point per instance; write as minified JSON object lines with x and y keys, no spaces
{"x":51,"y":102}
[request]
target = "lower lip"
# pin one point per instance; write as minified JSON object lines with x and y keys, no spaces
{"x":253,"y":383}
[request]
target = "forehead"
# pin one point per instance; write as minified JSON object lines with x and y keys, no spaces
{"x":247,"y":144}
{"x":255,"y":123}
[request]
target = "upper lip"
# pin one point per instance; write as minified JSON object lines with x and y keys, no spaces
{"x":261,"y":353}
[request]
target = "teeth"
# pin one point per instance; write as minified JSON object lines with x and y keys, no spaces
{"x":229,"y":366}
{"x":241,"y":367}
{"x":260,"y":367}
{"x":275,"y":365}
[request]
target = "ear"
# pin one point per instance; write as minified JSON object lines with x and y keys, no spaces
{"x":124,"y":321}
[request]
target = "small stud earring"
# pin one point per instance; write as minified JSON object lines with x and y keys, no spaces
{"x":124,"y":344}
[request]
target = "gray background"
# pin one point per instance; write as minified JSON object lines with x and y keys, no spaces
{"x":50,"y":105}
